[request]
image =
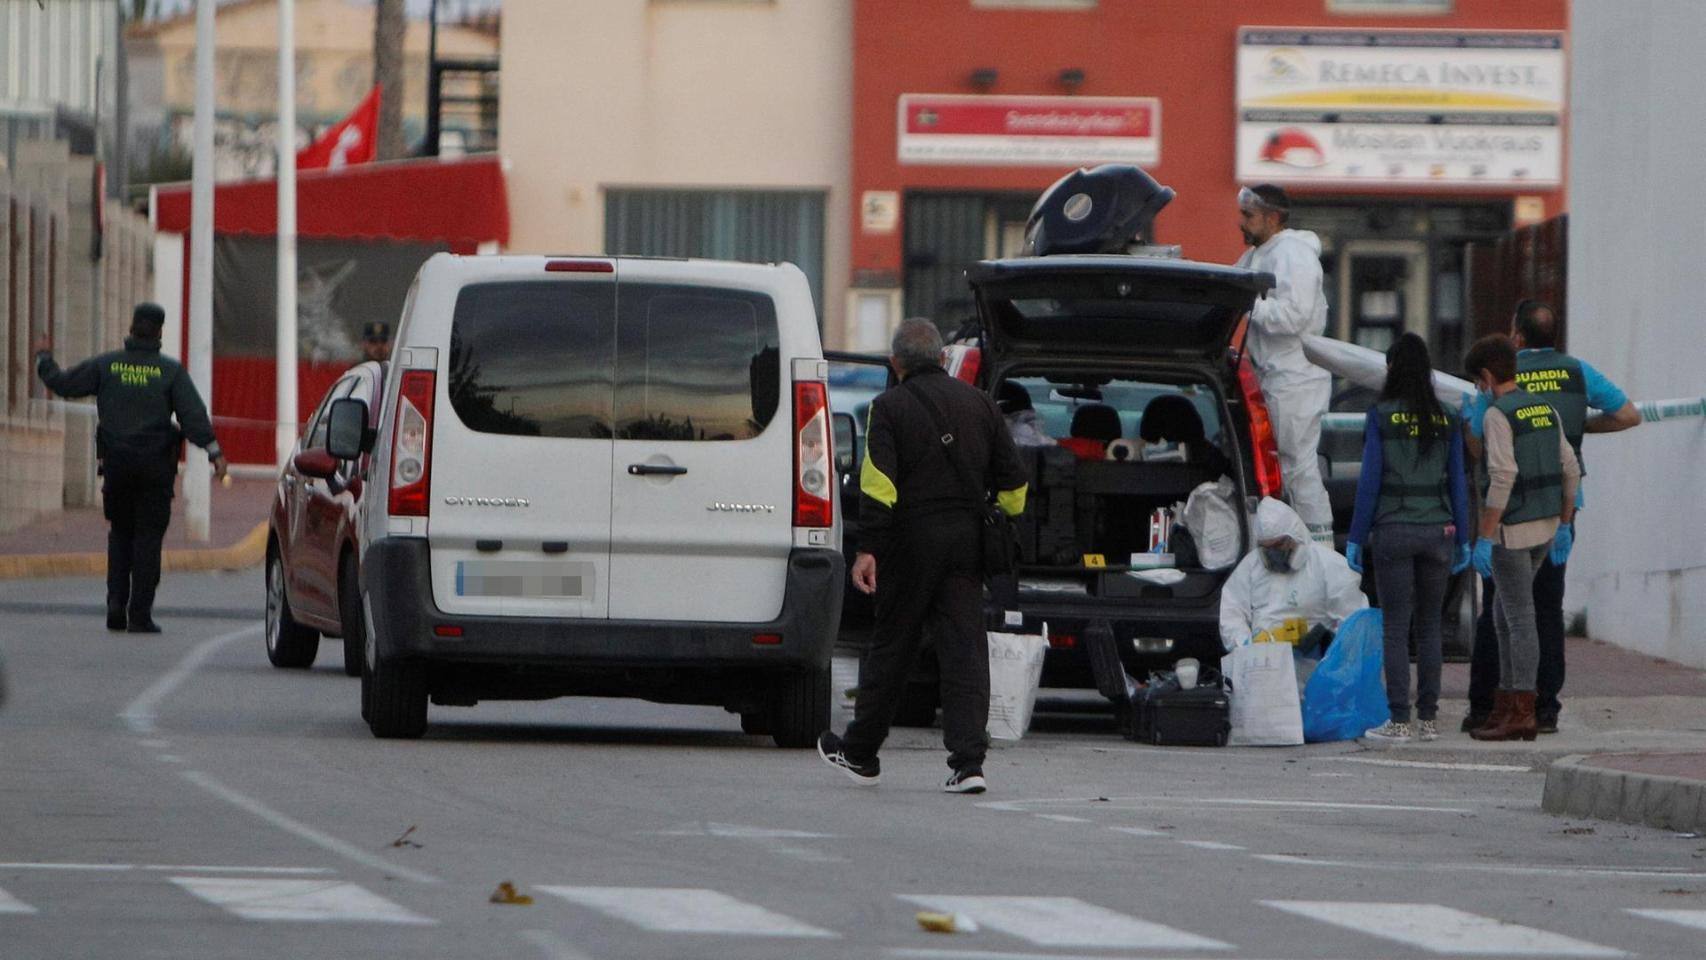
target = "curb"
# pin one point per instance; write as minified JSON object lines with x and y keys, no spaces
{"x":245,"y":553}
{"x":1575,"y":789}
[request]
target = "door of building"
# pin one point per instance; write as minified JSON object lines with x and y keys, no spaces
{"x":1383,"y":291}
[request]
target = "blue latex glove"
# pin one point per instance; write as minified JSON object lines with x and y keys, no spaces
{"x":1476,"y":409}
{"x":1460,"y":559}
{"x":1561,"y":545}
{"x":1353,"y":556}
{"x":1482,"y":557}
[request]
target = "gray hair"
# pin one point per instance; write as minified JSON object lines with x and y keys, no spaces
{"x":917,"y":343}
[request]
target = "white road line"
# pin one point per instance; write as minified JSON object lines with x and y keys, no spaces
{"x":1141,"y":831}
{"x":141,"y":712}
{"x":1061,"y":818}
{"x":1210,"y":845}
{"x":312,"y":901}
{"x":1147,"y":803}
{"x":924,"y":953}
{"x":1066,"y":922}
{"x":12,"y":905}
{"x":1438,"y":929}
{"x":1639,"y":873}
{"x":553,"y":946}
{"x":1687,"y":918}
{"x":324,"y":841}
{"x":686,"y":910}
{"x":164,"y":868}
{"x":739,"y":832}
{"x":1434,"y":765}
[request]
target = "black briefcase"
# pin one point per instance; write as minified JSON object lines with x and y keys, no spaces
{"x":1166,"y":716}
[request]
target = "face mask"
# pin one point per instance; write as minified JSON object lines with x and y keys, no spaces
{"x":1277,"y":559}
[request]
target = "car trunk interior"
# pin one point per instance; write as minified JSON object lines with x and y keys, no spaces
{"x":1089,"y":514}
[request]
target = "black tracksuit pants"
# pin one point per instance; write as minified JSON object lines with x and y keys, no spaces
{"x":138,"y":503}
{"x":1548,"y":619}
{"x":931,"y":580}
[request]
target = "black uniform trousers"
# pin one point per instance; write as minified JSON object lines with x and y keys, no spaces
{"x":138,"y":502}
{"x":931,"y":580}
{"x":1549,"y":619}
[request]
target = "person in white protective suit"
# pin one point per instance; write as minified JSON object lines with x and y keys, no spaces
{"x":1297,"y":391}
{"x":1287,"y":586}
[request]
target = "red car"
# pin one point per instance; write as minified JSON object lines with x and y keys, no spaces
{"x":312,"y":572}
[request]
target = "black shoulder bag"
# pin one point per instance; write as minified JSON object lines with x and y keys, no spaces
{"x":1000,"y":540}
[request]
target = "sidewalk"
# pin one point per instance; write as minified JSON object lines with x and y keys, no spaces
{"x":74,"y":543}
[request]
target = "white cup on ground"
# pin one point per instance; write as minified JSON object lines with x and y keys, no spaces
{"x":1186,"y":671}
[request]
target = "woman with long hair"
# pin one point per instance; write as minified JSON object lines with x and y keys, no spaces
{"x":1412,"y":516}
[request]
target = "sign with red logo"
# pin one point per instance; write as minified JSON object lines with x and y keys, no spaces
{"x":1029,"y":131}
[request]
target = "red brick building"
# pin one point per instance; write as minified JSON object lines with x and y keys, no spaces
{"x":1403,"y":137}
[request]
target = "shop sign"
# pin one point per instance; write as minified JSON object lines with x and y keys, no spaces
{"x":1412,"y":108}
{"x":1029,"y":131}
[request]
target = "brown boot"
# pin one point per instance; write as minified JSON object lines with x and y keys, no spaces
{"x":1518,"y":721}
{"x":1501,"y":706}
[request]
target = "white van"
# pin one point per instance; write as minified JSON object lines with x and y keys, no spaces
{"x":605,"y":477}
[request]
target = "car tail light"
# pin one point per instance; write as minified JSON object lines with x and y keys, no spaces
{"x":1268,"y":479}
{"x":579,"y":266}
{"x":411,"y":445}
{"x":963,"y":362}
{"x":1063,"y":641}
{"x":767,"y":639}
{"x":814,"y":504}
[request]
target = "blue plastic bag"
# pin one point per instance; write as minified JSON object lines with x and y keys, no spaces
{"x":1346,"y":696}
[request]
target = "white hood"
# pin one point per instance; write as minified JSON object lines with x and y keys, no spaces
{"x":1275,"y":520}
{"x":1305,"y":237}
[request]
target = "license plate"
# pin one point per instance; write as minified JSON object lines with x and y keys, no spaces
{"x":523,"y":578}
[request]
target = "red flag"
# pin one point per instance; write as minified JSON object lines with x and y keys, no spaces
{"x":352,"y":140}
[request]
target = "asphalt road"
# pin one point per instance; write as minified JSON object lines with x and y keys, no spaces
{"x":175,"y":796}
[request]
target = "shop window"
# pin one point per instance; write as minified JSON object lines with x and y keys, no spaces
{"x":757,"y":226}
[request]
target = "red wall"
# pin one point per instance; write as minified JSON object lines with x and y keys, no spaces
{"x":1181,"y":51}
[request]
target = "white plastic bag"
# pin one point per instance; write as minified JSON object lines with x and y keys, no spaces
{"x":1015,"y":670}
{"x":1211,"y":515}
{"x":1266,"y":711}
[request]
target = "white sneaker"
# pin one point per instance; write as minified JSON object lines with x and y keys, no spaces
{"x":1427,"y":730}
{"x":1391,"y":732}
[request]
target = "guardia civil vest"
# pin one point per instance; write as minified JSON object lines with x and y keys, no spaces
{"x":1558,"y":379}
{"x":1539,"y":489}
{"x":1413,"y":483}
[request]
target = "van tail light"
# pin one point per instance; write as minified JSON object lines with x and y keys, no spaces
{"x":1261,"y":432}
{"x":814,"y":503}
{"x":411,"y":445}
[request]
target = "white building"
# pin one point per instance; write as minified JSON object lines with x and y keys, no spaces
{"x":1636,"y":218}
{"x":57,"y":72}
{"x":682,"y":129}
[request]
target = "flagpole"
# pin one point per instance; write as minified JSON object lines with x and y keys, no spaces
{"x":284,"y":419}
{"x":197,"y":480}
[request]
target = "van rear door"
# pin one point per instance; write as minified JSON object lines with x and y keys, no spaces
{"x":702,"y":480}
{"x":1112,"y":306}
{"x":522,"y":446}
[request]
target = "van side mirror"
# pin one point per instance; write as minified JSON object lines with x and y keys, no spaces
{"x":347,"y":436}
{"x":846,"y":431}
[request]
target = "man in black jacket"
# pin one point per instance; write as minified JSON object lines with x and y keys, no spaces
{"x":137,"y":392}
{"x":935,"y":449}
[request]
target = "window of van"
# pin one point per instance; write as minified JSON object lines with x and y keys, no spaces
{"x":533,"y":358}
{"x":696,"y":363}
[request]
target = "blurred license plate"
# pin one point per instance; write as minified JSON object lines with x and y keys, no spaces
{"x":523,"y":578}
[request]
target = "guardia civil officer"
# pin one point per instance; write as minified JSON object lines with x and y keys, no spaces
{"x":1527,"y":508}
{"x":1573,"y":388}
{"x":1412,"y":515}
{"x":935,"y":449}
{"x":138,"y":391}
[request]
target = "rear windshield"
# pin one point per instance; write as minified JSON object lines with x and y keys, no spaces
{"x":554,"y":358}
{"x":533,"y":358}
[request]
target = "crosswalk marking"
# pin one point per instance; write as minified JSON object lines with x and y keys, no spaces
{"x":302,"y":900}
{"x":1066,"y":922}
{"x":11,"y":904}
{"x":1687,"y":918}
{"x":1440,"y":929}
{"x":686,"y":910}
